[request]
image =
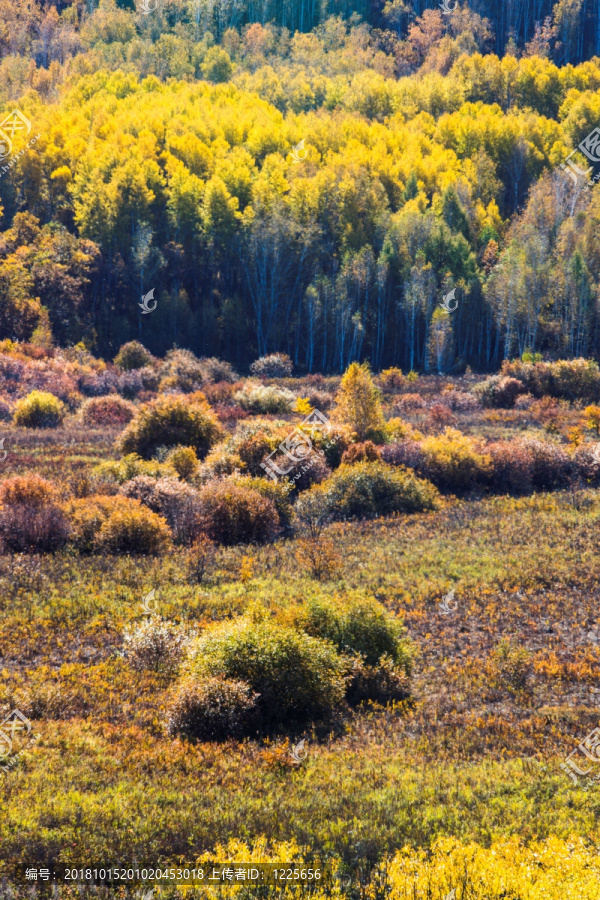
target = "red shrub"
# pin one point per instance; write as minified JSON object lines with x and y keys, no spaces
{"x":366,"y":451}
{"x":111,"y":410}
{"x":30,"y":518}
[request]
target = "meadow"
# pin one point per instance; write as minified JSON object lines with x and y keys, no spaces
{"x":451,"y":783}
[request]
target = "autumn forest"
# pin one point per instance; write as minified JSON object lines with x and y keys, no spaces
{"x":306,"y":178}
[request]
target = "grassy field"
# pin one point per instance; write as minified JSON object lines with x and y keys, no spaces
{"x":105,"y":783}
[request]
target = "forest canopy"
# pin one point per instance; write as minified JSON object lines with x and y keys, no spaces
{"x":307,"y":178}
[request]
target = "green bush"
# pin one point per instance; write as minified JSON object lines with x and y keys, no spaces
{"x":169,"y":421}
{"x":358,"y":626}
{"x":131,"y":466}
{"x":39,"y":410}
{"x":133,"y":355}
{"x":367,"y":490}
{"x":232,"y":514}
{"x":294,"y":674}
{"x":212,"y":709}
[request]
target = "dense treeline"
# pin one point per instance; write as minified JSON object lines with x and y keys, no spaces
{"x":166,"y":163}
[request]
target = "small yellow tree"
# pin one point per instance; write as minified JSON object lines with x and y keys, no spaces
{"x":591,"y":415}
{"x":358,"y":403}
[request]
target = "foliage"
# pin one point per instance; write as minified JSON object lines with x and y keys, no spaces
{"x":177,"y":502}
{"x":130,"y":466}
{"x":133,"y":529}
{"x":454,"y":462}
{"x":276,"y":365}
{"x":212,"y":709}
{"x":111,"y":411}
{"x":358,"y":404}
{"x":295,"y":675}
{"x":382,"y":683}
{"x":39,"y":410}
{"x":30,"y":517}
{"x":232,"y":514}
{"x":361,"y":452}
{"x":366,"y":490}
{"x":261,"y":398}
{"x":156,"y":645}
{"x":499,"y":391}
{"x":356,"y":625}
{"x":183,"y":460}
{"x":169,"y":422}
{"x":132,"y":355}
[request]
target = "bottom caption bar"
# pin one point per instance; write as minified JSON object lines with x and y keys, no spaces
{"x":213,"y":873}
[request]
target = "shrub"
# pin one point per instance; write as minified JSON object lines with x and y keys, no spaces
{"x":499,"y":392}
{"x":440,"y":416}
{"x":255,"y":440}
{"x":333,"y":444}
{"x":39,"y":410}
{"x":183,"y":460}
{"x":319,"y":555}
{"x":201,"y":558}
{"x":398,"y":430}
{"x":405,"y":453}
{"x":133,"y":529}
{"x":453,"y":461}
{"x":220,"y":462}
{"x":133,"y":355}
{"x":512,"y":467}
{"x":275,"y":365}
{"x":130,"y":467}
{"x":410,"y":402}
{"x":367,"y":490}
{"x":513,"y":665}
{"x":586,"y":464}
{"x":359,"y":626}
{"x":217,"y":370}
{"x":221,"y":392}
{"x":320,"y":400}
{"x":275,"y":491}
{"x":313,"y":471}
{"x":30,"y":517}
{"x":573,"y":379}
{"x":86,"y":517}
{"x":5,"y":411}
{"x":358,"y":403}
{"x":294,"y":674}
{"x":591,"y":416}
{"x":552,"y":466}
{"x":261,"y":398}
{"x":156,"y":645}
{"x":382,"y":683}
{"x":107,"y":411}
{"x":392,"y":380}
{"x":175,"y":500}
{"x":232,"y":514}
{"x":366,"y":451}
{"x":461,"y":401}
{"x":212,"y":709}
{"x":169,"y":421}
{"x":181,"y":371}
